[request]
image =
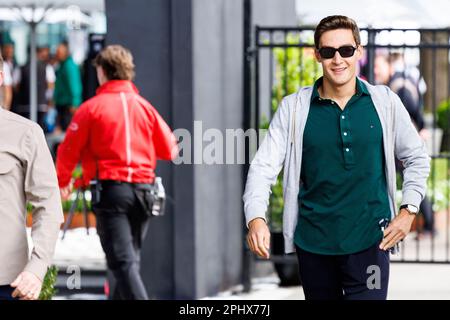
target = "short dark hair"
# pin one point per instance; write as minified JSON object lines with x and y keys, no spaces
{"x":334,"y":23}
{"x":64,"y":43}
{"x":117,"y":62}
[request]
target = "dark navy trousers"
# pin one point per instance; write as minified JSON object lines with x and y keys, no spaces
{"x":359,"y":276}
{"x":6,"y":292}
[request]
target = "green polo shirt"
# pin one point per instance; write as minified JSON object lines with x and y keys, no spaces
{"x":343,"y":195}
{"x":68,"y":86}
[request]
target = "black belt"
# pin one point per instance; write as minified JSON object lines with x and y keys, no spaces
{"x":106,"y":183}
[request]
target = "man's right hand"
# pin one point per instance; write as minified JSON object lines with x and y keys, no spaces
{"x":424,"y":134}
{"x":258,"y":237}
{"x":66,"y":191}
{"x":27,"y":286}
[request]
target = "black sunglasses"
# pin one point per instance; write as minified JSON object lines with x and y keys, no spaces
{"x":344,"y":51}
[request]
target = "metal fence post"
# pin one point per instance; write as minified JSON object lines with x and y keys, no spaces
{"x":247,"y":102}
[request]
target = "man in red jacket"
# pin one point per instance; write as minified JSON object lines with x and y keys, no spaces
{"x":118,"y":136}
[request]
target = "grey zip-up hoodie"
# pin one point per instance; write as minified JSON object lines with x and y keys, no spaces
{"x":282,"y":147}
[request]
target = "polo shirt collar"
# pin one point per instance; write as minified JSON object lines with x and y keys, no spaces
{"x":361,"y":88}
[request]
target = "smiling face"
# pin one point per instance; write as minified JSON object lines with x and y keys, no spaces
{"x":338,"y":71}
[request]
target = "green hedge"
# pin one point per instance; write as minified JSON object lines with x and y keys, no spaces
{"x":294,"y":68}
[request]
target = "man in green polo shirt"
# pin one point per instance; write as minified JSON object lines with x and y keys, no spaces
{"x":337,"y":142}
{"x":68,"y":87}
{"x":344,"y":193}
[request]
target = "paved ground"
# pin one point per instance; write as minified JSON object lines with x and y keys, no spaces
{"x":407,"y":281}
{"x":79,"y":248}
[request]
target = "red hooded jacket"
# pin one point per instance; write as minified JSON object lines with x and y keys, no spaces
{"x":117,"y":135}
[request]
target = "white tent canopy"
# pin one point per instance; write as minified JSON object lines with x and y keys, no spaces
{"x":70,"y":14}
{"x":84,"y":5}
{"x":33,"y":12}
{"x":379,"y":13}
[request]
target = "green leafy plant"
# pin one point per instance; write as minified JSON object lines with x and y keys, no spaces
{"x":438,"y":186}
{"x":77,"y":173}
{"x":443,"y":122}
{"x":295,"y":67}
{"x":48,"y":285}
{"x":66,"y":204}
{"x":443,"y":115}
{"x":276,"y":206}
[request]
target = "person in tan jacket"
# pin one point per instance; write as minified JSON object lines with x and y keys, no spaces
{"x":27,"y":175}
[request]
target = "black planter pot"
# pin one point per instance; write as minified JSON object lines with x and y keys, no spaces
{"x":286,"y":266}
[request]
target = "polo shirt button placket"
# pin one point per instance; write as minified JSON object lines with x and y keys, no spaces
{"x":345,"y":138}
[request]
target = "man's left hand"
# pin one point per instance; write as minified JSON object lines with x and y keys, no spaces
{"x":397,"y":229}
{"x":28,"y":286}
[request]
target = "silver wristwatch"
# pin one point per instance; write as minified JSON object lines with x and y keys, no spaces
{"x":410,"y":208}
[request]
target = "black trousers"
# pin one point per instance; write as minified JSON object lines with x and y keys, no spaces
{"x":121,"y":226}
{"x":6,"y":292}
{"x":360,"y":276}
{"x":64,"y":116}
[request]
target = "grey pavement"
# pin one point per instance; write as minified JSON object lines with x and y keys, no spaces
{"x":78,"y":249}
{"x":407,"y":281}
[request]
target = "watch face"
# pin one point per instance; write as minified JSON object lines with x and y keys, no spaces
{"x":412,"y":208}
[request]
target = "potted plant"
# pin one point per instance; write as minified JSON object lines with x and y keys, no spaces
{"x":78,"y":219}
